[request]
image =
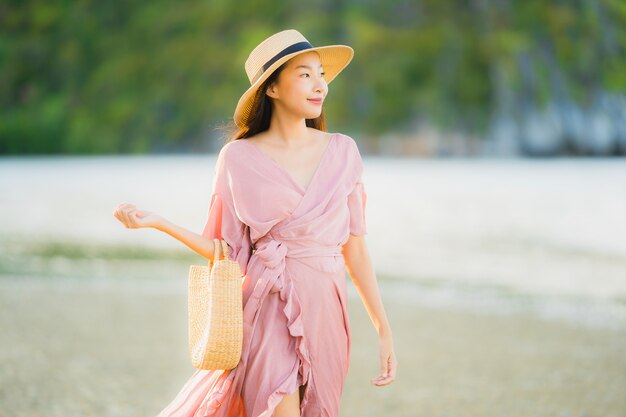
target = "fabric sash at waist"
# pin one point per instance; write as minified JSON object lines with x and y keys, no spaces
{"x":273,"y":251}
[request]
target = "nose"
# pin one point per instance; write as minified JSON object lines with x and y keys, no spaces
{"x":321,"y":85}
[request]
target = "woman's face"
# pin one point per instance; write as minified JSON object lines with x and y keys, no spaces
{"x":300,"y":88}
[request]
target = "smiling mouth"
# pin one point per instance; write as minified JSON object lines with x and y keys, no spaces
{"x":316,"y":101}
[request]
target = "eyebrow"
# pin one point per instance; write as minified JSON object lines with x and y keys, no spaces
{"x":306,"y":66}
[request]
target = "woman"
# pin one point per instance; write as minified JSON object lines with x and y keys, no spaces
{"x":289,"y":200}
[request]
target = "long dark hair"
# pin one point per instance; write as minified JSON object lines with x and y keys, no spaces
{"x":261,"y":113}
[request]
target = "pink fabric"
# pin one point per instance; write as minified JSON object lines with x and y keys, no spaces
{"x":288,"y":242}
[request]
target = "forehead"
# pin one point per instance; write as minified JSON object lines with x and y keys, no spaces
{"x":311,"y":59}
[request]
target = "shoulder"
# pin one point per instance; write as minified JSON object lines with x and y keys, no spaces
{"x":230,"y":155}
{"x":351,"y":155}
{"x":348,"y":141}
{"x":233,"y":149}
{"x":350,"y":145}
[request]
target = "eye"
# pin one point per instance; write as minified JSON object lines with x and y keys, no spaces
{"x":308,"y":75}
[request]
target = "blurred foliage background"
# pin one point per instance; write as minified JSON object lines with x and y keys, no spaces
{"x":531,"y":77}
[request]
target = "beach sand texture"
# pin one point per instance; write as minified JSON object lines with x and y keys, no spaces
{"x":96,"y":348}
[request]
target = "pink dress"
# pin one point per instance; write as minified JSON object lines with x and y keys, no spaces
{"x":288,"y":241}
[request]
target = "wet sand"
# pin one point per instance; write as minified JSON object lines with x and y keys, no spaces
{"x":104,"y":348}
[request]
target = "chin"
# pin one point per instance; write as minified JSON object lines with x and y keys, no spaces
{"x":313,"y":115}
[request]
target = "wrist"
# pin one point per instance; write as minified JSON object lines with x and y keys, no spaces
{"x":384,"y":331}
{"x":160,"y":223}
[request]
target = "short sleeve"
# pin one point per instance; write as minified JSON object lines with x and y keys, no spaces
{"x":356,"y":204}
{"x":222,"y":220}
{"x":358,"y":197}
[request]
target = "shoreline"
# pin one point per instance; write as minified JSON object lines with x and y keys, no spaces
{"x":480,"y":299}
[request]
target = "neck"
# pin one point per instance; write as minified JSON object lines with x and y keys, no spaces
{"x":289,"y":130}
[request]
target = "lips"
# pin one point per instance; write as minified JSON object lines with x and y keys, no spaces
{"x":316,"y":100}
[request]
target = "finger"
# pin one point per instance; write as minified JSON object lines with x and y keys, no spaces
{"x":122,"y":206}
{"x":390,"y":374}
{"x":394,"y":368}
{"x":385,"y":369}
{"x":393,"y":371}
{"x":139,"y":217}
{"x":132,"y":217}
{"x":125,"y":219}
{"x":126,"y":207}
{"x":379,"y":377}
{"x":383,"y":365}
{"x":384,"y":381}
{"x":120,"y":216}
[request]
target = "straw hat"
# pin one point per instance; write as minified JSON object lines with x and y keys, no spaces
{"x":274,"y":51}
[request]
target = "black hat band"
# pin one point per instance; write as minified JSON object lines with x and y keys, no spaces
{"x":300,"y":46}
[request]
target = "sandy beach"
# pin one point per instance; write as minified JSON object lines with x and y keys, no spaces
{"x":117,"y":347}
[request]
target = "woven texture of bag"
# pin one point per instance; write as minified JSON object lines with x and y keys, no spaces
{"x":215,"y":312}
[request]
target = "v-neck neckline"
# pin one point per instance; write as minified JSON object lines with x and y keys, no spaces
{"x":287,"y":173}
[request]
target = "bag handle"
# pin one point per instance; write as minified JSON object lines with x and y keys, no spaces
{"x":220,"y":244}
{"x":225,"y":251}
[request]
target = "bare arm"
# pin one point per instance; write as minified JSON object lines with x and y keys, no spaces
{"x":134,"y":218}
{"x":359,"y":265}
{"x":195,"y":241}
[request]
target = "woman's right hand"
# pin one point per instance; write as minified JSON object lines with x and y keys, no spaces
{"x":134,"y":218}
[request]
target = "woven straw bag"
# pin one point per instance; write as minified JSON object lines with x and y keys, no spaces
{"x":215,"y":312}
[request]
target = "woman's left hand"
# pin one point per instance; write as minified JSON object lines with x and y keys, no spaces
{"x":388,"y":362}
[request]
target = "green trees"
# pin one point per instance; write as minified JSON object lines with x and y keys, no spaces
{"x":108,"y":77}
